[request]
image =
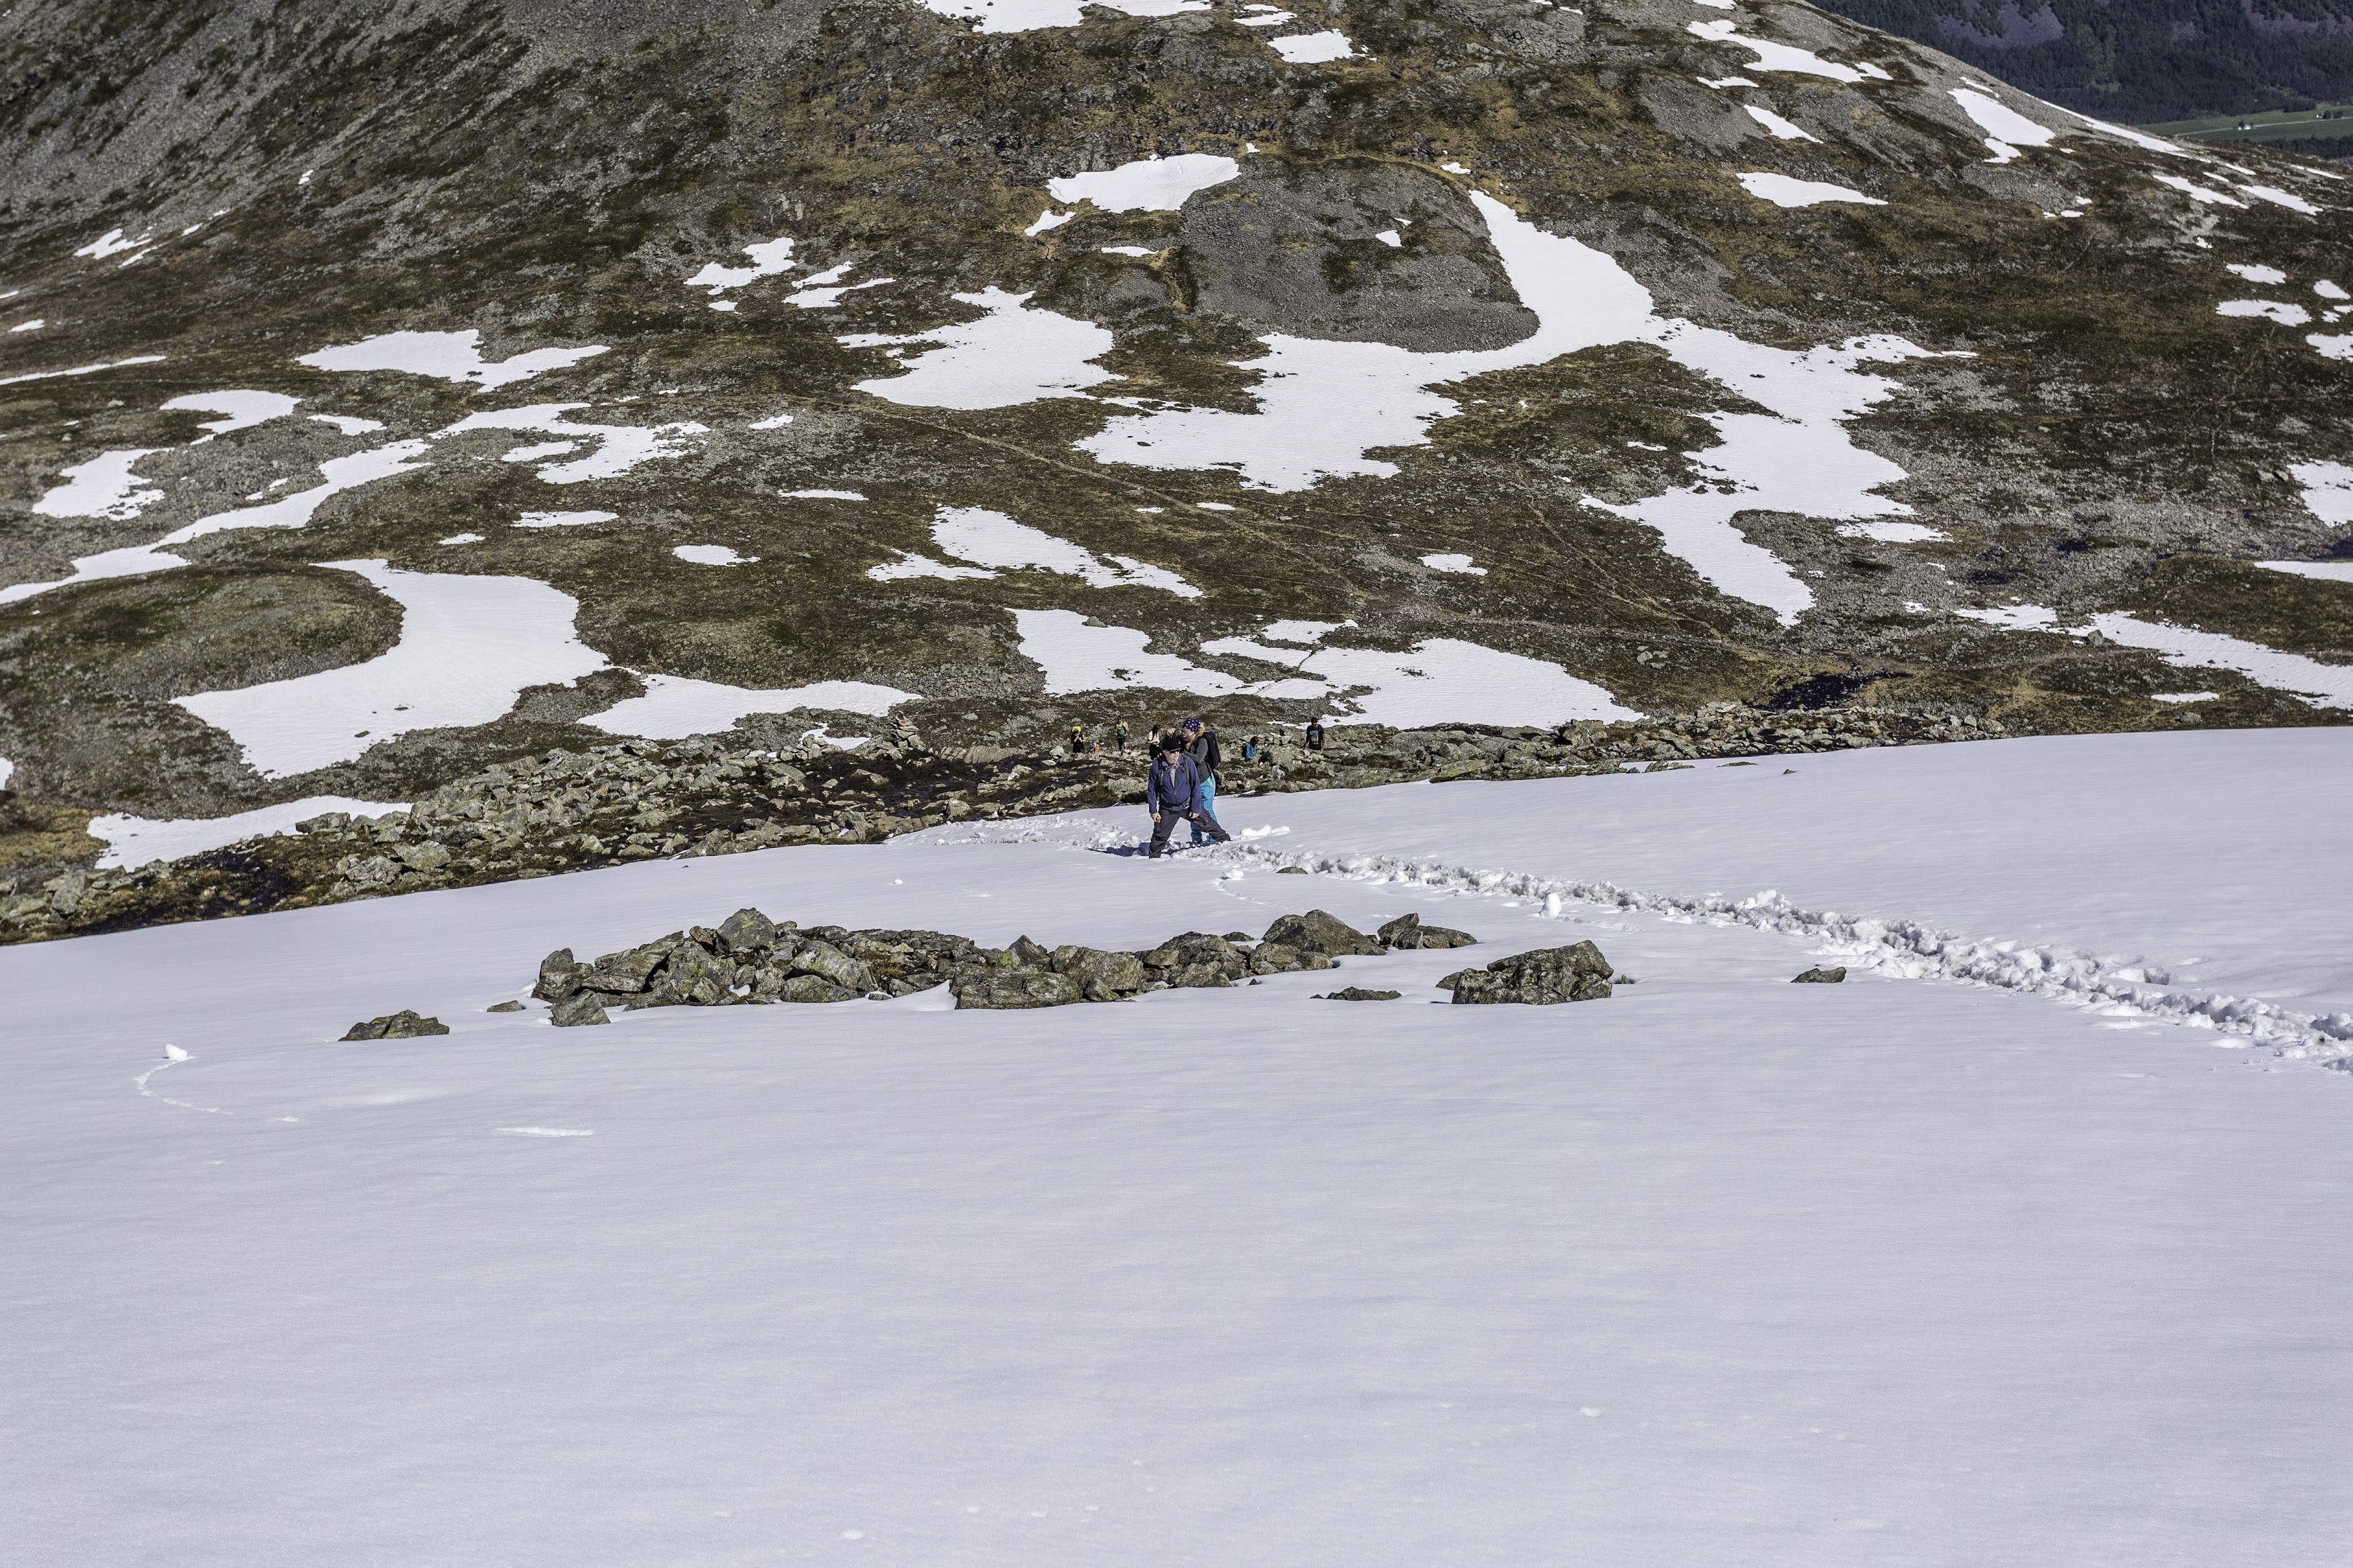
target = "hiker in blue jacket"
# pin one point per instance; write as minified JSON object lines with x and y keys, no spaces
{"x":1202,"y":744}
{"x":1172,"y":793}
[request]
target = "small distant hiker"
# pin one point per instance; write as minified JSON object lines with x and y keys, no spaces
{"x":1316,"y":734}
{"x":1078,"y":745}
{"x":1201,"y":743}
{"x":1121,"y":733}
{"x":1172,"y":793}
{"x":1249,"y":748}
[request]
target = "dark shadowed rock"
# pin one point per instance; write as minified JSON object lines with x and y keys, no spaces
{"x":558,"y":975}
{"x":404,"y":1025}
{"x":1358,"y":994}
{"x":1029,"y":954}
{"x":1407,"y":933}
{"x":1820,"y":977}
{"x":1195,"y":958}
{"x":1318,"y":932}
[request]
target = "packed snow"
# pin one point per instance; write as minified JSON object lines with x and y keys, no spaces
{"x":1773,"y":57}
{"x":711,"y":556}
{"x":337,"y":474}
{"x":1784,"y":191}
{"x":674,"y":706}
{"x":132,"y":840}
{"x":241,"y":409}
{"x":1782,"y":130}
{"x":990,"y":539}
{"x":1314,"y":49}
{"x":1962,"y":1251}
{"x":1147,"y":184}
{"x":619,"y":447}
{"x":1011,"y":354}
{"x":1460,"y":565}
{"x":102,"y":487}
{"x":446,"y":356}
{"x":469,"y":647}
{"x":564,"y":519}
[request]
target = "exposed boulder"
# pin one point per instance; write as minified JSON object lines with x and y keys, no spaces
{"x":1820,"y":977}
{"x":404,"y":1025}
{"x":503,"y":1007}
{"x":1101,"y":976}
{"x":746,"y":930}
{"x":1317,"y":932}
{"x":1196,"y":959}
{"x":559,"y":975}
{"x":1575,"y":973}
{"x":1407,"y":933}
{"x":1358,"y":994}
{"x":1280,"y":958}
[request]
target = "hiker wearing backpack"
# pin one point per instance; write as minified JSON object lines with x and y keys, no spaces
{"x":1172,"y":793}
{"x":1201,"y":742}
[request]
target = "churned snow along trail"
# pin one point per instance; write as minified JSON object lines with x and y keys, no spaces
{"x":1719,"y":1269}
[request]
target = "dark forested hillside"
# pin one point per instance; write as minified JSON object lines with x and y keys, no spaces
{"x":2145,"y":61}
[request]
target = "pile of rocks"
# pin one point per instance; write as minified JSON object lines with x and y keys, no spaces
{"x":749,"y":959}
{"x":567,"y":811}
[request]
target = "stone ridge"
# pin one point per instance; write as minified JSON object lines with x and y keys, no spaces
{"x":573,"y":810}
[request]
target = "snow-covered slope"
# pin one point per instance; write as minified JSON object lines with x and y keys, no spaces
{"x":1718,"y":1270}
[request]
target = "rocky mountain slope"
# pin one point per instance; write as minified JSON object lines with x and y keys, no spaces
{"x":2149,"y":61}
{"x":388,"y":396}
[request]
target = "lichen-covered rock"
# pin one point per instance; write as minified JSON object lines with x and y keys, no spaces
{"x":1101,"y":976}
{"x":631,"y":969}
{"x":1277,"y":958}
{"x":1407,"y":933}
{"x":581,"y":1007}
{"x":815,"y":988}
{"x":405,"y":1025}
{"x":699,"y":978}
{"x":1318,"y":932}
{"x":1012,"y":988}
{"x":829,"y":964}
{"x":559,"y":975}
{"x":746,"y":930}
{"x":1029,"y":954}
{"x":1575,"y":973}
{"x":1820,"y":977}
{"x":1195,"y":958}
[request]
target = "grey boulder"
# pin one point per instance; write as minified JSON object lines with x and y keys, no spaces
{"x":1013,"y":988}
{"x":578,"y":1009}
{"x":1575,"y":973}
{"x":1820,"y":977}
{"x":1318,"y":932}
{"x":404,"y":1025}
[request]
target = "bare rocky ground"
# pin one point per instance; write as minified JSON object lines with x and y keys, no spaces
{"x":551,"y":176}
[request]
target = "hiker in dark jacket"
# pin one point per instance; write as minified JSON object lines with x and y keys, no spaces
{"x":1201,"y":743}
{"x":1316,"y":734}
{"x":1172,"y":793}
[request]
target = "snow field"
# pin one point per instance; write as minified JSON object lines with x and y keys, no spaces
{"x":674,"y":706}
{"x":1783,"y":191}
{"x":1314,"y":49}
{"x":1147,"y":185}
{"x":1721,"y":1270}
{"x":446,"y":356}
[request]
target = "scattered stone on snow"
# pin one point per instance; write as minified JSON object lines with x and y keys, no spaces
{"x":1573,"y":973}
{"x":503,"y":1007}
{"x":1358,"y":993}
{"x":1819,"y":976}
{"x":404,"y":1025}
{"x":1407,"y":933}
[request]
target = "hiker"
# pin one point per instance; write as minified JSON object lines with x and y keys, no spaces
{"x":1201,"y":742}
{"x":1121,"y":733}
{"x":1172,"y":791}
{"x":1079,"y":746}
{"x":1249,"y":748}
{"x":1316,"y":734}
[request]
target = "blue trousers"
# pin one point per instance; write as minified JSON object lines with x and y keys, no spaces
{"x":1209,"y":809}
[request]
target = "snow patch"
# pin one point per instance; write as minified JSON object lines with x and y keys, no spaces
{"x":2269,"y":274}
{"x":2197,"y":193}
{"x":133,"y":841}
{"x":2005,"y":128}
{"x":2318,"y":570}
{"x":1892,"y":532}
{"x":1782,"y":130}
{"x":674,"y":706}
{"x":242,"y":409}
{"x":469,"y":647}
{"x":1147,"y":184}
{"x":711,"y":556}
{"x":1012,"y":354}
{"x":1784,"y":191}
{"x":349,"y":425}
{"x":619,"y":447}
{"x":80,"y":370}
{"x":1457,"y":563}
{"x":768,"y":260}
{"x":564,"y":519}
{"x":991,"y":538}
{"x":1314,"y":49}
{"x":102,"y":487}
{"x":823,"y":494}
{"x":1772,"y":57}
{"x":2309,"y":682}
{"x":446,"y":356}
{"x":2279,"y":311}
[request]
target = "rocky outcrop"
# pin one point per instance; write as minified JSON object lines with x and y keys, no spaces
{"x":1573,"y":973}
